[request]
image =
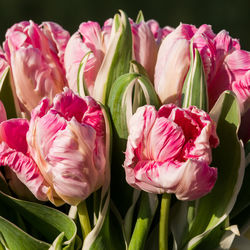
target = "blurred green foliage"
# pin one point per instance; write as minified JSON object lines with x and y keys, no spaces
{"x":231,"y":15}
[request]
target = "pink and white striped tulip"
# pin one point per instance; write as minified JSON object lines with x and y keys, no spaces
{"x":169,"y":151}
{"x":67,"y":141}
{"x":35,"y":55}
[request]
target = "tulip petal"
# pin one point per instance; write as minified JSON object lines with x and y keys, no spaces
{"x":171,"y":67}
{"x":57,"y":36}
{"x":25,"y":169}
{"x":165,"y":140}
{"x":145,"y":47}
{"x":13,"y":133}
{"x":74,"y":173}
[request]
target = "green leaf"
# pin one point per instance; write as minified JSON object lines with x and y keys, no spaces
{"x":194,"y":91}
{"x":81,"y":84}
{"x":140,"y":17}
{"x":14,"y":238}
{"x":6,"y":95}
{"x":48,"y":222}
{"x":228,"y":157}
{"x":136,"y":67}
{"x":117,"y":58}
{"x":57,"y":244}
{"x":243,"y":199}
{"x":121,"y":100}
{"x":129,"y":215}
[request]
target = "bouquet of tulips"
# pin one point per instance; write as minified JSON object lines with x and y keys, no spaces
{"x":126,"y":136}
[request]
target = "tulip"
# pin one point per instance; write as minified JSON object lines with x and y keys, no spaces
{"x":89,"y":37}
{"x":35,"y":55}
{"x":60,"y":154}
{"x":225,"y":65}
{"x":173,"y":60}
{"x":66,"y":140}
{"x":169,"y":151}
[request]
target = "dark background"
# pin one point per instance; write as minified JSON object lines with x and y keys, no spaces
{"x":231,"y":15}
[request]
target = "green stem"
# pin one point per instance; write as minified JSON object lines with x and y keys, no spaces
{"x":143,"y":222}
{"x":84,"y":218}
{"x":164,"y":217}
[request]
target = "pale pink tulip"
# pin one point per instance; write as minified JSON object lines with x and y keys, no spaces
{"x":67,"y":141}
{"x":173,"y":59}
{"x":226,"y":66}
{"x":89,"y":37}
{"x":169,"y":151}
{"x":35,"y":55}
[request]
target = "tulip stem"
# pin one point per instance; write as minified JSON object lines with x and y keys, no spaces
{"x":84,"y":218}
{"x":164,"y":218}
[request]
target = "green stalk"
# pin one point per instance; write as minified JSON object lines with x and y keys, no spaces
{"x":142,"y":226}
{"x":84,"y":218}
{"x":164,"y":218}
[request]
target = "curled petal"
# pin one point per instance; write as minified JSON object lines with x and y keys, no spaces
{"x":25,"y":169}
{"x":58,"y":38}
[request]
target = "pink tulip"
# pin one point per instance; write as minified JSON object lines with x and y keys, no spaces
{"x":226,"y":66}
{"x":60,"y":154}
{"x":89,"y":37}
{"x":35,"y":55}
{"x":170,"y":151}
{"x":66,"y":140}
{"x":173,"y":59}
